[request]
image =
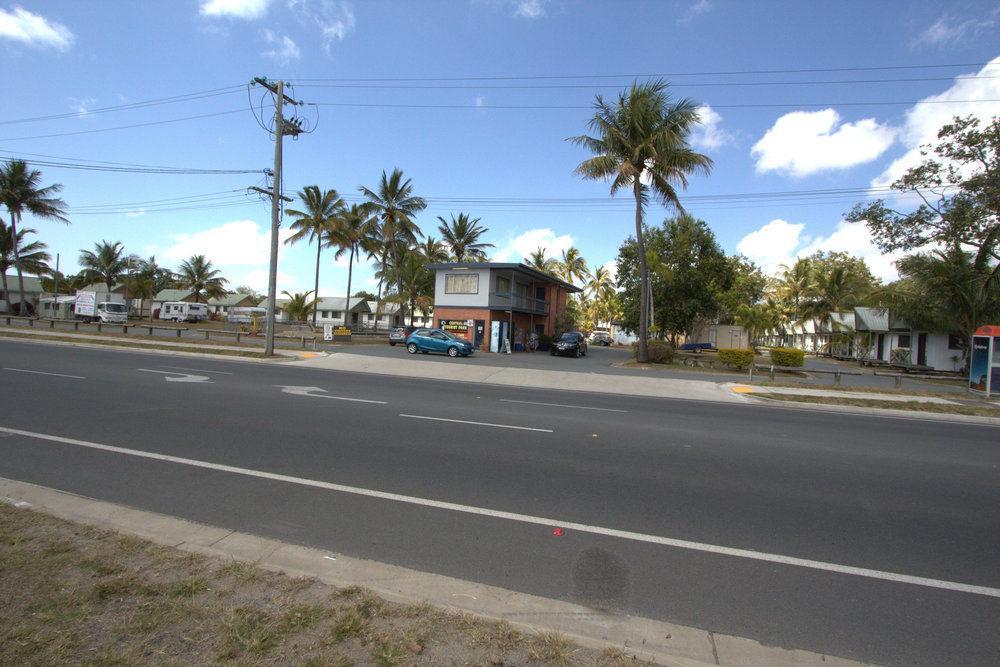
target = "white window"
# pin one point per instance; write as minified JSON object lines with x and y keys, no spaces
{"x":461,"y":283}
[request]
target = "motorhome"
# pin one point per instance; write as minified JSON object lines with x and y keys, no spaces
{"x":182,"y":311}
{"x":100,"y":307}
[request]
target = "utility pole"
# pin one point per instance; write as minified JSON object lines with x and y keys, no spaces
{"x":293,"y":129}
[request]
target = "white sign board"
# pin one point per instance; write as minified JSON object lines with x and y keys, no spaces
{"x":327,"y":332}
{"x":86,"y":304}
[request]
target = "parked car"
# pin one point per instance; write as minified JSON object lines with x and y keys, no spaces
{"x":570,"y":343}
{"x":437,"y":340}
{"x":601,"y":338}
{"x":400,"y":334}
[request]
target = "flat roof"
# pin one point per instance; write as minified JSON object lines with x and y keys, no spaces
{"x":523,"y":268}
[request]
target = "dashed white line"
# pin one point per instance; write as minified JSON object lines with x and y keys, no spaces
{"x":59,"y":375}
{"x":561,"y":405}
{"x":747,"y":554}
{"x":463,"y":421}
{"x":199,"y":370}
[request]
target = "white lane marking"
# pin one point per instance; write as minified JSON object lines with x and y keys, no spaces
{"x":59,"y":375}
{"x":308,"y":391}
{"x":184,"y":377}
{"x":560,"y":405}
{"x":463,"y":421}
{"x":200,"y":370}
{"x":527,"y":518}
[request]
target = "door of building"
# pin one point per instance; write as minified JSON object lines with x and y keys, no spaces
{"x":922,"y":349}
{"x":880,"y":342}
{"x":480,"y":334}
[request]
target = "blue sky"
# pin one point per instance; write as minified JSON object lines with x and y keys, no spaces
{"x":454,"y":139}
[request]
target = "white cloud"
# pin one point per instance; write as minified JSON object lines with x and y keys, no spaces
{"x":781,"y":242}
{"x":22,"y":26}
{"x":708,"y":135}
{"x":480,"y":100}
{"x":82,"y":106}
{"x":805,"y":142}
{"x":612,"y":269}
{"x":530,"y":9}
{"x":242,"y":9}
{"x":237,"y":243}
{"x":697,"y":8}
{"x":926,"y":117}
{"x":948,"y":29}
{"x":519,"y":247}
{"x":285,"y":50}
{"x":136,"y":213}
{"x":335,"y":18}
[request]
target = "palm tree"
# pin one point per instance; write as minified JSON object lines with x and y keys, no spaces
{"x":106,"y":263}
{"x":600,"y":286}
{"x":415,"y":281}
{"x":572,"y":266}
{"x":351,"y":233}
{"x":756,"y":319}
{"x":433,"y":250}
{"x":831,"y":292}
{"x":461,"y":235}
{"x":643,"y":137}
{"x":394,"y":205}
{"x":315,"y":222}
{"x":20,"y":191}
{"x":538,"y":260}
{"x":197,"y":275}
{"x":299,"y":306}
{"x":33,"y":257}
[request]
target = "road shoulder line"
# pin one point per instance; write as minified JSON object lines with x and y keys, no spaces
{"x":664,"y":643}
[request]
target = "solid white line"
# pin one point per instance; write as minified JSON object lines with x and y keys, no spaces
{"x":560,"y":405}
{"x":462,"y":421}
{"x":60,"y":375}
{"x":526,"y":518}
{"x":199,"y":370}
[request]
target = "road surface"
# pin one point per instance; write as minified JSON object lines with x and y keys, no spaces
{"x":866,"y":537}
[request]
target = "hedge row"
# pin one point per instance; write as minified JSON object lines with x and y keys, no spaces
{"x":660,"y":352}
{"x":787,"y":356}
{"x":736,"y":357}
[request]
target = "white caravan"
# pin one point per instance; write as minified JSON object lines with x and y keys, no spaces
{"x":182,"y":311}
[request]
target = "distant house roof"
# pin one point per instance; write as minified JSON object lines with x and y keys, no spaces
{"x":173,"y":295}
{"x":31,"y":284}
{"x":842,"y":322}
{"x":871,"y":319}
{"x":540,"y":276}
{"x":234,"y":299}
{"x":339,"y":303}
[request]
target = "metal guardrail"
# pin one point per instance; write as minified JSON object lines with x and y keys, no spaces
{"x":772,"y":369}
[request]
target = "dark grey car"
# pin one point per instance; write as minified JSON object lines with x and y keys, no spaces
{"x":570,"y":344}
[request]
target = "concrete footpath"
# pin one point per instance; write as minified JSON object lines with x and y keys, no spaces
{"x":525,"y":377}
{"x":664,"y":643}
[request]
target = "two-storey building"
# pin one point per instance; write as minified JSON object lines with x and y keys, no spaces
{"x":490,"y":302}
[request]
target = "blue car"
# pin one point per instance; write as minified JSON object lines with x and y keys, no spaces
{"x":437,"y":340}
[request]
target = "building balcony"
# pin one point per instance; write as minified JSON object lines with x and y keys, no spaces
{"x":518,"y":303}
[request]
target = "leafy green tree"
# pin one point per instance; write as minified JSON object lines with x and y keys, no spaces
{"x":959,"y":190}
{"x":299,"y":307}
{"x":394,"y":205}
{"x":106,"y":263}
{"x":315,"y":222}
{"x":461,"y":235}
{"x":689,"y":273}
{"x":33,"y":257}
{"x":366,"y":295}
{"x":20,"y":191}
{"x":643,"y":138}
{"x":197,"y":275}
{"x":756,"y":319}
{"x":540,"y":261}
{"x":834,"y":290}
{"x":748,"y":288}
{"x":254,"y":294}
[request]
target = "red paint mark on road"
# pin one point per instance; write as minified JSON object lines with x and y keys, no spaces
{"x":558,"y":532}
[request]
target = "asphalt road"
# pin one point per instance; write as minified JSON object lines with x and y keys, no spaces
{"x":869,"y":504}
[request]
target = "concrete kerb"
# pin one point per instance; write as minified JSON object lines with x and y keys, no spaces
{"x":856,"y":410}
{"x":660,"y":642}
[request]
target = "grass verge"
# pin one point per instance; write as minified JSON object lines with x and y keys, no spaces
{"x":914,"y":406}
{"x":118,"y":341}
{"x":74,"y":594}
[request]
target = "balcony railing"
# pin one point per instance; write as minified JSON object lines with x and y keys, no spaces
{"x":525,"y":304}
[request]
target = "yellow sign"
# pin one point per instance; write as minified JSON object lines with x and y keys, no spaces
{"x":341,"y":331}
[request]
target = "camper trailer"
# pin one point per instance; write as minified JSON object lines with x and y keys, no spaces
{"x":182,"y":311}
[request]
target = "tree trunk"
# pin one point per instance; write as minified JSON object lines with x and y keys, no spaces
{"x":399,"y":284}
{"x":413,"y":307}
{"x":17,"y":265}
{"x":347,"y":304}
{"x":643,"y":356}
{"x":6,"y":291}
{"x":319,"y":248}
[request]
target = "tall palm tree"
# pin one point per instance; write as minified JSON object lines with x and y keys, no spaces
{"x":643,"y":137}
{"x":33,"y":257}
{"x":415,"y":281}
{"x":538,"y":260}
{"x":600,"y":286}
{"x":352,"y":234}
{"x":20,"y":191}
{"x":461,"y":235}
{"x":394,"y":205}
{"x":107,"y":262}
{"x":197,"y":275}
{"x":433,"y":250}
{"x":572,"y":266}
{"x":315,"y":222}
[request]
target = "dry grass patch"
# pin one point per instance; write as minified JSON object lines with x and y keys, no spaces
{"x":913,"y":406}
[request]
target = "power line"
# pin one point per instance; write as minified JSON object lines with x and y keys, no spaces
{"x":556,"y":107}
{"x":124,"y":167}
{"x":187,"y":97}
{"x":653,"y":76}
{"x":128,"y":127}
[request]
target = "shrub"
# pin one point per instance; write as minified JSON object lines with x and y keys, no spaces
{"x":901,"y":355}
{"x":736,"y":357}
{"x":660,"y":351}
{"x":787,"y":356}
